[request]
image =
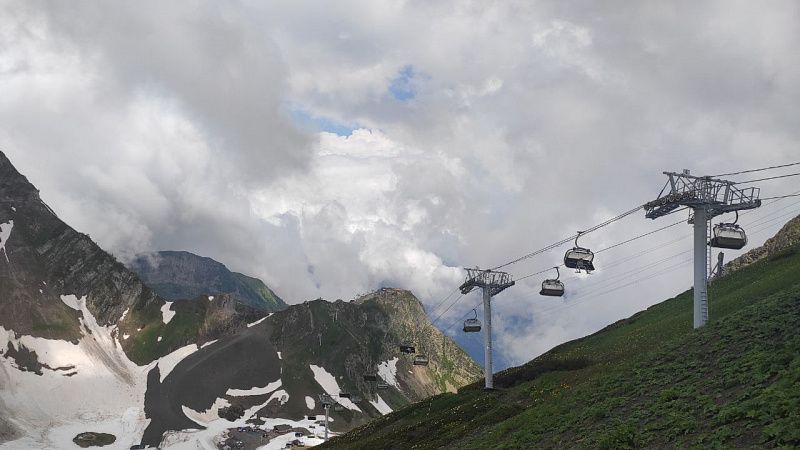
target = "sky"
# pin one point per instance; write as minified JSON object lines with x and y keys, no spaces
{"x":332,"y":148}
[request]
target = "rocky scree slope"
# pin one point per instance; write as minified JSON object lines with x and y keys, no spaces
{"x":788,"y":236}
{"x":183,"y":275}
{"x":648,"y":381}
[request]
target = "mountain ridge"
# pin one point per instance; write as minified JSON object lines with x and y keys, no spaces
{"x":180,"y":275}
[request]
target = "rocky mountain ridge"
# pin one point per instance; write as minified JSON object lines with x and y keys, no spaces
{"x":180,"y":275}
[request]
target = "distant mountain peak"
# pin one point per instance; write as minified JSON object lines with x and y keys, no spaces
{"x":181,"y":275}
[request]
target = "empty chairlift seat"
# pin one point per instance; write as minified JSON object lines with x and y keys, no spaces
{"x":472,"y":325}
{"x":728,"y":235}
{"x":407,"y":348}
{"x":579,"y":258}
{"x":383,"y":386}
{"x":552,"y":287}
{"x":420,"y":360}
{"x":370,"y":377}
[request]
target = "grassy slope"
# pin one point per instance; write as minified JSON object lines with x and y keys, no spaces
{"x":260,"y":290}
{"x":645,"y":382}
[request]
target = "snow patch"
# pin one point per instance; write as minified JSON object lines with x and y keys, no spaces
{"x":331,"y":387}
{"x":310,"y":403}
{"x":211,"y":298}
{"x":13,"y":209}
{"x":126,"y":336}
{"x":167,"y":363}
{"x":258,"y":321}
{"x":205,"y":417}
{"x":125,"y":313}
{"x":254,"y":391}
{"x":279,"y":355}
{"x":159,"y":339}
{"x":71,"y":301}
{"x":281,"y":395}
{"x":166,"y":313}
{"x":387,"y":370}
{"x":381,"y":405}
{"x":208,"y":343}
{"x":5,"y":233}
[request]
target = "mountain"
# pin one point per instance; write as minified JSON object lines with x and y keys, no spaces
{"x":87,"y":347}
{"x":648,"y":381}
{"x":279,"y":366}
{"x":183,"y":275}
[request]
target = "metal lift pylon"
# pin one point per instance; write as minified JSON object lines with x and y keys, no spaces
{"x":492,"y":283}
{"x":707,"y":197}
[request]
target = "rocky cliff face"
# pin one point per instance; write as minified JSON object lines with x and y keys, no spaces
{"x":44,"y":259}
{"x":183,"y":275}
{"x":785,"y":238}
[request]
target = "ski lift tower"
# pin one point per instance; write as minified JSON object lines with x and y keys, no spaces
{"x":327,"y":401}
{"x":707,"y":197}
{"x":492,"y":284}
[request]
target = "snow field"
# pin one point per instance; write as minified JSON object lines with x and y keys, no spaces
{"x":105,"y":392}
{"x":5,"y":233}
{"x":331,"y":387}
{"x":166,"y":313}
{"x":254,"y":391}
{"x":387,"y":370}
{"x":381,"y":405}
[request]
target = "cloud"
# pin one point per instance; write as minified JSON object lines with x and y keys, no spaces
{"x":331,"y":151}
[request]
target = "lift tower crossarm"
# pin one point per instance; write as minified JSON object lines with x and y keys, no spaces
{"x":716,"y":196}
{"x":491,"y":283}
{"x":707,"y":197}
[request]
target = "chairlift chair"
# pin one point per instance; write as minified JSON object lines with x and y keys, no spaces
{"x":729,"y":235}
{"x":344,"y":395}
{"x":579,"y":258}
{"x":420,"y":360}
{"x":383,"y":386}
{"x":553,"y":287}
{"x":370,"y":377}
{"x":407,"y":348}
{"x":472,"y":325}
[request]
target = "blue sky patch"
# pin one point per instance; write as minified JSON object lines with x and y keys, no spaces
{"x":401,"y":87}
{"x":319,"y":123}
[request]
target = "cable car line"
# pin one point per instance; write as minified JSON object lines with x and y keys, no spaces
{"x":782,"y":196}
{"x":757,"y":170}
{"x":438,"y":305}
{"x":769,"y":178}
{"x":573,"y":237}
{"x":582,"y":258}
{"x":448,"y":309}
